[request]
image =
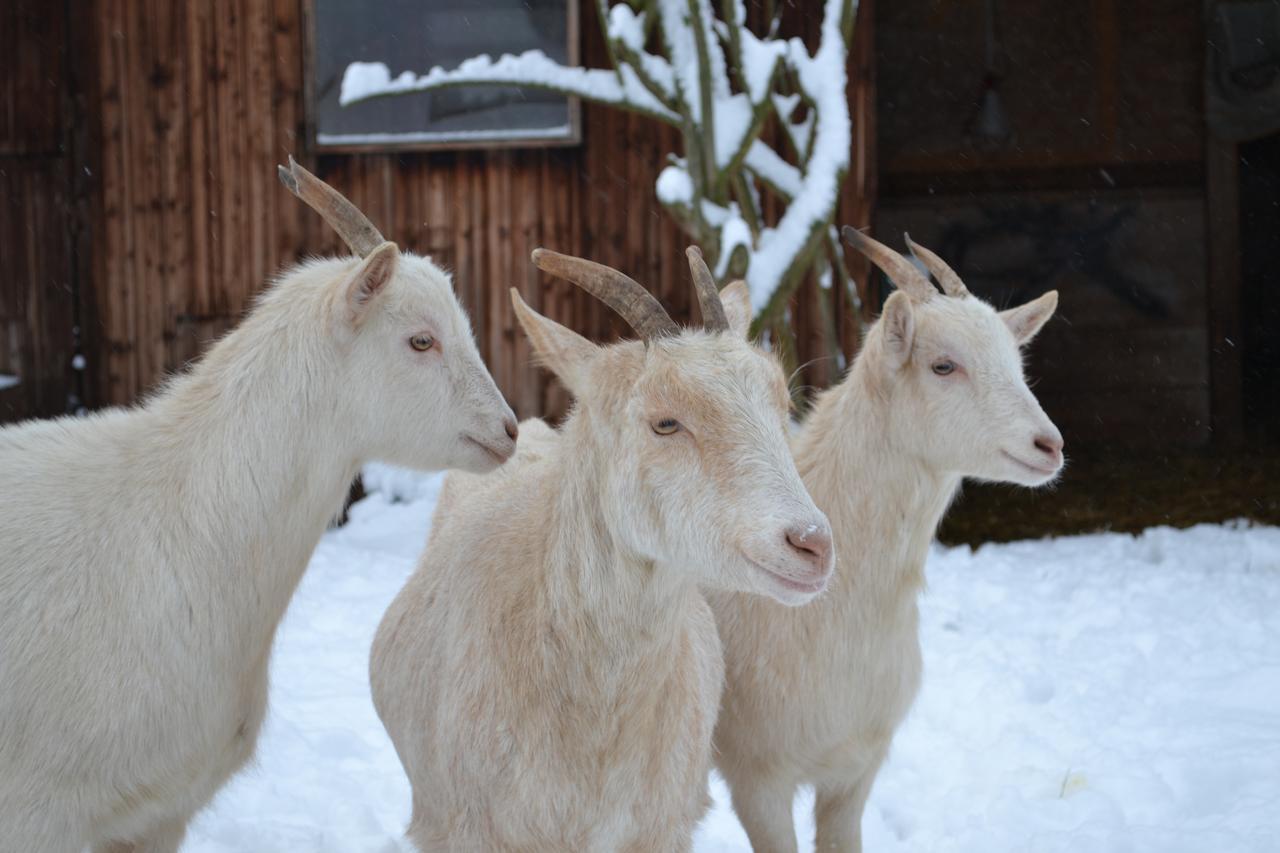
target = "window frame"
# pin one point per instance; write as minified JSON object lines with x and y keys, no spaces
{"x":571,"y":139}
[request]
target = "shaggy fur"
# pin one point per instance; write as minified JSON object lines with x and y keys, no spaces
{"x":813,"y":695}
{"x":550,"y":674}
{"x":147,"y":555}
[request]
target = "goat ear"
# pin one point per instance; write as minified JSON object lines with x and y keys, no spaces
{"x":1026,"y":320}
{"x":564,"y":352}
{"x":736,"y":300}
{"x":369,"y":279}
{"x":899,"y":324}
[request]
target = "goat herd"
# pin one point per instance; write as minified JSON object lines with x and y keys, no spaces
{"x":601,"y":612}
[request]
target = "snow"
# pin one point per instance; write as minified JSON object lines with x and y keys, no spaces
{"x":822,"y":77}
{"x":765,"y":163}
{"x":364,"y":80}
{"x":715,"y":54}
{"x":669,"y":88}
{"x":731,"y":114}
{"x":732,"y":121}
{"x":682,"y":49}
{"x":625,"y":25}
{"x":716,"y":214}
{"x":674,"y":186}
{"x":734,"y":232}
{"x":759,"y":60}
{"x":1105,"y":692}
{"x":8,"y":381}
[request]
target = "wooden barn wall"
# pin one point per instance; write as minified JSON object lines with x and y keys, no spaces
{"x":1099,"y":193}
{"x":149,"y":195}
{"x":199,"y":102}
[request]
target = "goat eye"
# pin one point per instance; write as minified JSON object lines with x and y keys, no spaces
{"x":944,"y":367}
{"x":666,"y":426}
{"x":422,"y":343}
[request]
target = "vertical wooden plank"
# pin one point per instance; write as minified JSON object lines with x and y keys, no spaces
{"x":1222,"y":168}
{"x":259,"y":120}
{"x":109,"y":362}
{"x":1106,"y":31}
{"x":168,"y":205}
{"x":207,"y":199}
{"x":498,"y":277}
{"x":858,"y":202}
{"x":404,"y":220}
{"x":557,"y":186}
{"x":437,"y":213}
{"x":226,"y":158}
{"x":288,"y":39}
{"x":526,"y":395}
{"x":198,"y":129}
{"x":239,"y":165}
{"x":128,"y":331}
{"x":32,"y":33}
{"x":83,"y":167}
{"x":145,"y":56}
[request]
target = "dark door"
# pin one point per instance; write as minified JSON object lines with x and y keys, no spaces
{"x":1260,"y":284}
{"x":37,"y":304}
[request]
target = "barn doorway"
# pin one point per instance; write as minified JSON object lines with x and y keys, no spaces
{"x":1260,"y":285}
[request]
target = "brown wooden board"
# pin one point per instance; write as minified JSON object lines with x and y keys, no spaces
{"x":32,"y":35}
{"x":1125,"y":360}
{"x":1083,"y":83}
{"x":195,"y":104}
{"x":36,"y":300}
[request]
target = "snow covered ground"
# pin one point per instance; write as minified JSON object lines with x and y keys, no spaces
{"x":1099,"y":693}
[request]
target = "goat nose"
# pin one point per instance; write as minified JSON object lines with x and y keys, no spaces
{"x":512,"y":428}
{"x":813,"y":544}
{"x":1050,"y":445}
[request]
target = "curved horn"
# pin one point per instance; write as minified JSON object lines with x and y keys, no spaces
{"x":620,"y":292}
{"x":704,"y":284}
{"x":352,"y":226}
{"x":946,"y":276}
{"x":903,"y":273}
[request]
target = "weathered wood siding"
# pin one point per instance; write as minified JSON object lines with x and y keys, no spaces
{"x":147,"y":191}
{"x":200,"y":101}
{"x":1100,"y":193}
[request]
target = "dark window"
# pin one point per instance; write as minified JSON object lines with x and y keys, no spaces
{"x":418,"y":35}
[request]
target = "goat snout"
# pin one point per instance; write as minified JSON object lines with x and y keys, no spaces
{"x":812,"y":543}
{"x":512,"y":428}
{"x":1049,"y":445}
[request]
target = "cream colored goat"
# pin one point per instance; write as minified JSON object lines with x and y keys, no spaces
{"x":147,"y":555}
{"x":550,"y":674}
{"x":814,"y":695}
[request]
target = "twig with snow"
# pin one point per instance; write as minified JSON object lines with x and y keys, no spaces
{"x":709,"y":75}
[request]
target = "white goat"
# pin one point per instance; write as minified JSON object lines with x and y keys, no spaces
{"x":147,"y":555}
{"x":550,"y":675}
{"x":813,"y":696}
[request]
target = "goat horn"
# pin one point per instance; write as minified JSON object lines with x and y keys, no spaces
{"x":704,"y":284}
{"x":946,"y":276}
{"x":620,"y":292}
{"x":903,"y":273}
{"x":352,"y":226}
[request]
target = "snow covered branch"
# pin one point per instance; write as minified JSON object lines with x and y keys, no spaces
{"x":622,"y":88}
{"x":721,"y":84}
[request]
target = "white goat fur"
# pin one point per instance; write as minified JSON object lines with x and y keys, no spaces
{"x":550,"y":674}
{"x":814,"y":694}
{"x":147,"y":555}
